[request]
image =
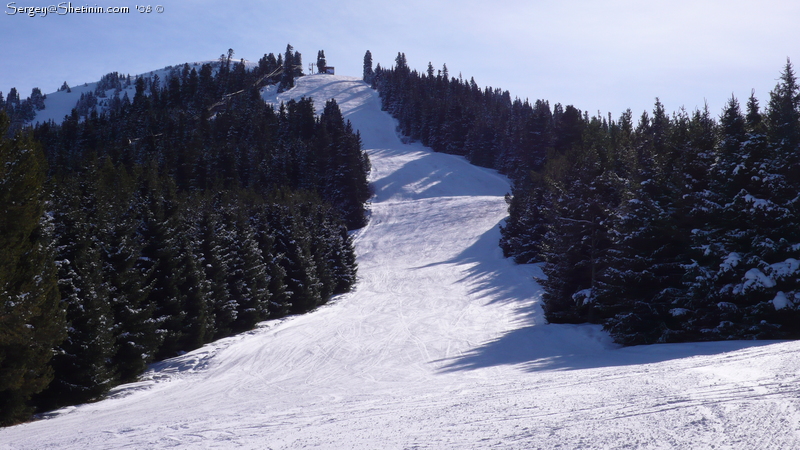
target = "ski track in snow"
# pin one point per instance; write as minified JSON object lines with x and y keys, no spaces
{"x":442,"y":344}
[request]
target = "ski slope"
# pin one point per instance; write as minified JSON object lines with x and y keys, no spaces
{"x":442,"y":345}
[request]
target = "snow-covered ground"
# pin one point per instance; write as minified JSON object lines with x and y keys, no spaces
{"x":442,"y":345}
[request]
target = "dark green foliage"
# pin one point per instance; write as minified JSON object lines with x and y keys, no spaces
{"x":265,"y":236}
{"x":195,"y":288}
{"x":293,"y":241}
{"x":81,"y":363}
{"x":248,"y":279}
{"x":650,"y":231}
{"x":581,"y":196}
{"x":161,"y":256}
{"x":321,"y":62}
{"x":747,"y":272}
{"x":522,"y":235}
{"x":31,"y":317}
{"x":291,"y":65}
{"x":369,"y":74}
{"x":128,"y":274}
{"x":339,"y":149}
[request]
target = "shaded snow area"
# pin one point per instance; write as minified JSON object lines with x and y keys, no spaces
{"x":442,"y":345}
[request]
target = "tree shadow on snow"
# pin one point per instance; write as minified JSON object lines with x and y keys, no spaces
{"x":433,"y":175}
{"x":552,"y":347}
{"x":538,"y":346}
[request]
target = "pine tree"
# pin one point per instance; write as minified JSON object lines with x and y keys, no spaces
{"x":248,"y":280}
{"x":712,"y":241}
{"x":749,"y":273}
{"x":215,"y":259}
{"x":577,"y":237}
{"x":343,"y":166}
{"x":641,"y":289}
{"x":161,"y":258}
{"x":287,"y":76}
{"x":31,"y":317}
{"x":637,"y":288}
{"x":298,"y":66}
{"x":527,"y":224}
{"x":279,"y":301}
{"x":293,"y":240}
{"x":755,"y":282}
{"x":12,"y":101}
{"x":81,"y":363}
{"x":321,"y":62}
{"x":783,"y":121}
{"x":333,"y":250}
{"x":369,"y":74}
{"x":37,"y":99}
{"x":120,"y":209}
{"x":192,"y":282}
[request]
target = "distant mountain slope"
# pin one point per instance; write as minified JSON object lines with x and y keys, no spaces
{"x":442,"y":345}
{"x":60,"y":103}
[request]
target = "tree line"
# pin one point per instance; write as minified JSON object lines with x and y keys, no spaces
{"x":152,"y":225}
{"x":666,"y":228}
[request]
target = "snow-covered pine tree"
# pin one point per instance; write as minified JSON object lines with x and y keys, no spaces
{"x":280,"y":298}
{"x":641,"y":285}
{"x":248,"y":279}
{"x":127,"y":274}
{"x":751,"y":269}
{"x":527,"y":222}
{"x":191,"y":280}
{"x":718,"y":243}
{"x":293,"y":241}
{"x":81,"y":363}
{"x":161,"y":258}
{"x":216,"y":259}
{"x":577,"y":238}
{"x":31,"y":317}
{"x":751,"y":272}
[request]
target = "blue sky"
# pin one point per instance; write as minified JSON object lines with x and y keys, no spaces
{"x":597,"y":55}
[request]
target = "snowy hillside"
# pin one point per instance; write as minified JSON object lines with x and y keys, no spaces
{"x":442,"y":345}
{"x":60,"y":103}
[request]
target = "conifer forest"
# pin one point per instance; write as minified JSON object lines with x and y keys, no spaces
{"x":188,"y":213}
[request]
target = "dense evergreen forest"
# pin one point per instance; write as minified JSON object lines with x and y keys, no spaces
{"x":666,"y":228}
{"x":143,"y":227}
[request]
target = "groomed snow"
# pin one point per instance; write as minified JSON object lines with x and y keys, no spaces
{"x":442,"y":345}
